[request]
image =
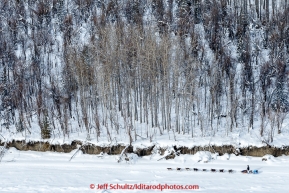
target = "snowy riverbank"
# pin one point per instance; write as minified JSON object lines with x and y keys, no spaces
{"x":29,"y":171}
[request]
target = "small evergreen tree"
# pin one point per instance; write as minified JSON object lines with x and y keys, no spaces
{"x":20,"y":126}
{"x":45,"y":128}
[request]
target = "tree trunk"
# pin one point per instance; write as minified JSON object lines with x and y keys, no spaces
{"x":257,"y":7}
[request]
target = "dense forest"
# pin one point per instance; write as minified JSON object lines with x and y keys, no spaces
{"x":191,"y":67}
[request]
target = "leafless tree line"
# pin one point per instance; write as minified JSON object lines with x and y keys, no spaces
{"x":107,"y":67}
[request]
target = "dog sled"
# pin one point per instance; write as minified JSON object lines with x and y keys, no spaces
{"x":250,"y":172}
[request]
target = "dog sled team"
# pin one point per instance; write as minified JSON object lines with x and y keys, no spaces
{"x":248,"y":171}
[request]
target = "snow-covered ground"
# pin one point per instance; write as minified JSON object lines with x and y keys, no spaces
{"x":53,"y":172}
